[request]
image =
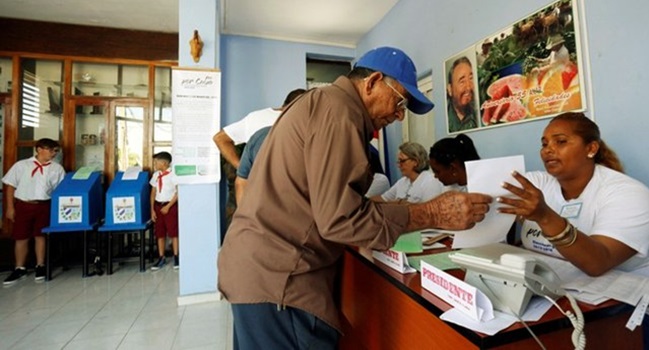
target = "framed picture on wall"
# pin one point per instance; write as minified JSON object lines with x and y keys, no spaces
{"x":529,"y":70}
{"x":462,"y":112}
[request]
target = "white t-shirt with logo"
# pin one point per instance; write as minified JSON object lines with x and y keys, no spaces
{"x":612,"y":204}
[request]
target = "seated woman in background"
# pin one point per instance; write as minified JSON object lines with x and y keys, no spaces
{"x":447,"y":157}
{"x":380,"y":183}
{"x":418,"y":184}
{"x":582,"y":208}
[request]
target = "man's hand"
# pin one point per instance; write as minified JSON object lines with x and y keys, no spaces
{"x":449,"y":211}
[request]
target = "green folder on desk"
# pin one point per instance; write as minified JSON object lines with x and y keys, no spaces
{"x":439,"y":260}
{"x":409,"y":243}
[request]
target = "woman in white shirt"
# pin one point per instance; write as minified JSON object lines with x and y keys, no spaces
{"x":582,"y":208}
{"x":418,"y":184}
{"x":447,"y":157}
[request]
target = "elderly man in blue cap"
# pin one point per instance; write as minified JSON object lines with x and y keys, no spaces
{"x":278,"y":262}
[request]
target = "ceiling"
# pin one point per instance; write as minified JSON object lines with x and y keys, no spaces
{"x":338,"y":22}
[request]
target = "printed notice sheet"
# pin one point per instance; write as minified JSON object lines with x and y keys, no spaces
{"x":196,"y":105}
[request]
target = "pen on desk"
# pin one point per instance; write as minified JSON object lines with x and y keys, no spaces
{"x":432,"y":240}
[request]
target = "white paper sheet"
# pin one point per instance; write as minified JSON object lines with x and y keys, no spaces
{"x":131,"y":173}
{"x":535,"y":310}
{"x":626,"y":287}
{"x":487,"y":176}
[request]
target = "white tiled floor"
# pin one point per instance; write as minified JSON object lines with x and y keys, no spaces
{"x":127,"y":310}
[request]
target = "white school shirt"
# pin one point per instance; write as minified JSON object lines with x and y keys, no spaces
{"x":612,"y":204}
{"x":424,"y":188}
{"x":34,"y":188}
{"x":168,"y":186}
{"x":242,"y":130}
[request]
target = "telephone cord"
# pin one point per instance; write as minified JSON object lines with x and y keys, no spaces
{"x":576,"y":318}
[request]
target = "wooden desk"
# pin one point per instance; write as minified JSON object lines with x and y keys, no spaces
{"x":387,"y":310}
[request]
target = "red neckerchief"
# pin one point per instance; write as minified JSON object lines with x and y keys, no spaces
{"x":162,"y":174}
{"x":39,"y":166}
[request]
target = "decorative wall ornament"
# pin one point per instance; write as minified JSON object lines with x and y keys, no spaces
{"x":196,"y":46}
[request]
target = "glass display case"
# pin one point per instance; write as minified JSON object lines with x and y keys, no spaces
{"x":41,"y":100}
{"x":129,"y":136}
{"x":162,"y":112}
{"x":5,"y":74}
{"x":4,"y":112}
{"x":115,"y":80}
{"x":90,"y":136}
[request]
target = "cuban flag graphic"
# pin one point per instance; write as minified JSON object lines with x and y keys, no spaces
{"x":379,"y":146}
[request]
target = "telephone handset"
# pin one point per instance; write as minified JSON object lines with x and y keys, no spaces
{"x":539,"y":276}
{"x":508,"y":275}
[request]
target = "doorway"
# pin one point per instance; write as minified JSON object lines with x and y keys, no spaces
{"x":322,"y":71}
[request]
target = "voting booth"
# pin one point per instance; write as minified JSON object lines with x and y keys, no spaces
{"x":77,"y":202}
{"x":128,"y":210}
{"x":128,"y":200}
{"x":77,"y":206}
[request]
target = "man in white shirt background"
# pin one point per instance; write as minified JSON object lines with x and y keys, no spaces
{"x":240,"y":132}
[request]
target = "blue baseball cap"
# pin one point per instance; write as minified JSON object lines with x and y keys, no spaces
{"x":398,"y":66}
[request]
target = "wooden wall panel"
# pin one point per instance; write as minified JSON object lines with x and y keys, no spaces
{"x":74,"y":40}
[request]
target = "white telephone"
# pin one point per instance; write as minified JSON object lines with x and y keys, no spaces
{"x":508,"y":275}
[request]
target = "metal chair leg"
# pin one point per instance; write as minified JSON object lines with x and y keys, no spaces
{"x":85,"y":254}
{"x":48,"y":268}
{"x":110,"y":253}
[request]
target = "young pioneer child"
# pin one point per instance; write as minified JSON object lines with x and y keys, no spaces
{"x":164,"y":211}
{"x":30,"y":183}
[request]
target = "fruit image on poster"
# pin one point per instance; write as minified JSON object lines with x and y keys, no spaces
{"x":529,"y":70}
{"x":555,"y":91}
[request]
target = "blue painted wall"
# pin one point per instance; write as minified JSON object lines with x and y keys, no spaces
{"x":432,"y":31}
{"x":259,"y":73}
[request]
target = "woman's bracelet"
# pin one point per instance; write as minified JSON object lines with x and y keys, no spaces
{"x":561,"y":235}
{"x":564,"y":239}
{"x":570,"y":240}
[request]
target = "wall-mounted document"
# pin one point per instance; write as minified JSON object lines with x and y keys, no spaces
{"x":196,"y":101}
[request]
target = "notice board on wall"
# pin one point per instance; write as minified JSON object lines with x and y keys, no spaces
{"x":196,"y":106}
